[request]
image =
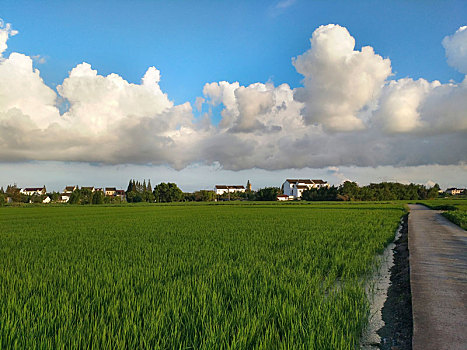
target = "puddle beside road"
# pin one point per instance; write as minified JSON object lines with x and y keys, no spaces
{"x":377,"y":292}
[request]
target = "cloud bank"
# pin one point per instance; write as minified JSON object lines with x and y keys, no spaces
{"x":349,"y":112}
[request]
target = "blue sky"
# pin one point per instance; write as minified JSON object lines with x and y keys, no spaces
{"x":396,"y":112}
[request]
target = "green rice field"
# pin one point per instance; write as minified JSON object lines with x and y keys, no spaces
{"x":446,"y":204}
{"x":244,"y":276}
{"x":455,"y":209}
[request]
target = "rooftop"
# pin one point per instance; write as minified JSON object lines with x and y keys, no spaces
{"x":226,"y":187}
{"x":33,"y":188}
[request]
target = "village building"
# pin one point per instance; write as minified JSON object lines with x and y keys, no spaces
{"x":46,"y":200}
{"x":283,"y":197}
{"x":295,"y":187}
{"x":121,"y":194}
{"x":70,"y":189}
{"x":455,"y":191}
{"x":31,"y":191}
{"x":110,"y":191}
{"x":221,"y":189}
{"x":64,"y":197}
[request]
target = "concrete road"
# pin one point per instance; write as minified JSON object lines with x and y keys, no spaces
{"x":438,"y":280}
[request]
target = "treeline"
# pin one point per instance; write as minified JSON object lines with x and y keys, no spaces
{"x":162,"y":193}
{"x":87,"y":196}
{"x":384,"y":191}
{"x":139,"y":192}
{"x":263,"y":194}
{"x":13,"y":192}
{"x":170,"y":192}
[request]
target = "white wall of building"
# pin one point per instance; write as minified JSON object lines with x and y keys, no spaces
{"x":296,"y":189}
{"x":221,"y":191}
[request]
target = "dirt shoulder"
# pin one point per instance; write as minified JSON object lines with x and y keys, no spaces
{"x":397,"y":310}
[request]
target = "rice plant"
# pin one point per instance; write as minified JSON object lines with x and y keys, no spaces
{"x":189,"y":276}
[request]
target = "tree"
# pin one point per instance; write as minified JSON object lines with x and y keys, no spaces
{"x":189,"y":197}
{"x":433,"y":192}
{"x":86,"y":196}
{"x":36,"y":198}
{"x":160,"y":192}
{"x":131,"y":186}
{"x":233,"y":196}
{"x":204,"y":196}
{"x":148,"y":196}
{"x":167,"y":192}
{"x":149,"y":186}
{"x":349,"y":190}
{"x":139,"y":192}
{"x":322,"y":194}
{"x":133,"y":197}
{"x":75,"y":197}
{"x":98,"y":197}
{"x":268,"y":194}
{"x":54,"y":196}
{"x":251,"y":196}
{"x":14,"y":193}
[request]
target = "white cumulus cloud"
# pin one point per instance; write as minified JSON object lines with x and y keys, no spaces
{"x":339,"y":82}
{"x":421,"y":107}
{"x":5,"y":32}
{"x":456,"y":49}
{"x":23,"y":89}
{"x":347,"y":113}
{"x":399,"y":106}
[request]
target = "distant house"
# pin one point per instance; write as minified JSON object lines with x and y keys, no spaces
{"x":64,"y":197}
{"x":89,"y":188}
{"x":455,"y":191}
{"x":110,"y":191}
{"x":70,"y":189}
{"x":31,"y":191}
{"x":46,"y":200}
{"x":221,"y":189}
{"x":121,"y":194}
{"x":295,"y":187}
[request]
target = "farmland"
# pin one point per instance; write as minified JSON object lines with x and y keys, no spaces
{"x":456,"y":209}
{"x":189,"y":276}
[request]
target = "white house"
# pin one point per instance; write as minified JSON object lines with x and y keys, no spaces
{"x":64,"y":197}
{"x":295,"y":187}
{"x":455,"y":191}
{"x":70,"y":189}
{"x":221,"y":189}
{"x":121,"y":194}
{"x":46,"y":200}
{"x":110,"y":191}
{"x":30,"y":191}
